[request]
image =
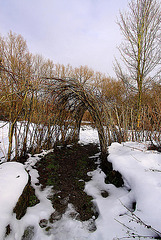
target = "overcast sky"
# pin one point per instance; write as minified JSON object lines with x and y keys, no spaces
{"x":79,"y":32}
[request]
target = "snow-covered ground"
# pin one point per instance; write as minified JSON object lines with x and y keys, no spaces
{"x":141,"y":171}
{"x":4,"y":129}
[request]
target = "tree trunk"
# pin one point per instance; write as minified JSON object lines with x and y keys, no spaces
{"x":139,"y":104}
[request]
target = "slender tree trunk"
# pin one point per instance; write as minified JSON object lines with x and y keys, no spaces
{"x":139,"y":104}
{"x":79,"y":117}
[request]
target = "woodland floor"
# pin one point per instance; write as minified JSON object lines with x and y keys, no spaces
{"x":65,"y":169}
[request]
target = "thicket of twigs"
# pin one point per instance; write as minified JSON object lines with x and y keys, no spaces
{"x":45,"y":103}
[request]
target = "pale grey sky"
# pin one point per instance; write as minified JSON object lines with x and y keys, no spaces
{"x":78,"y":32}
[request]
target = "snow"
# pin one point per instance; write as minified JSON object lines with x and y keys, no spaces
{"x":13,"y":178}
{"x":88,"y":135}
{"x":4,"y":128}
{"x":141,"y":171}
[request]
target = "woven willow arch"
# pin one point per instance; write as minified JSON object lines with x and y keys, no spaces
{"x":76,"y":98}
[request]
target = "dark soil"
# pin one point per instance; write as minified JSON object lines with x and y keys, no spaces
{"x":154,"y":147}
{"x":65,"y":169}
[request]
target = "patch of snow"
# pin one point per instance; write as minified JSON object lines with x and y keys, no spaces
{"x":141,"y":171}
{"x":13,"y":178}
{"x":88,"y":135}
{"x":4,"y":129}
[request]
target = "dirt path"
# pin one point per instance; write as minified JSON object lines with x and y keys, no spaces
{"x":65,"y":169}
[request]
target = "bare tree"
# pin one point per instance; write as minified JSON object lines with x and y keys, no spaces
{"x":15,"y":76}
{"x":140,"y":50}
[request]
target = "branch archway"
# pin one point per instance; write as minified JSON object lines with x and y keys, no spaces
{"x":77,"y":97}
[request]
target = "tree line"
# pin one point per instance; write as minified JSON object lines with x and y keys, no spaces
{"x":45,"y":103}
